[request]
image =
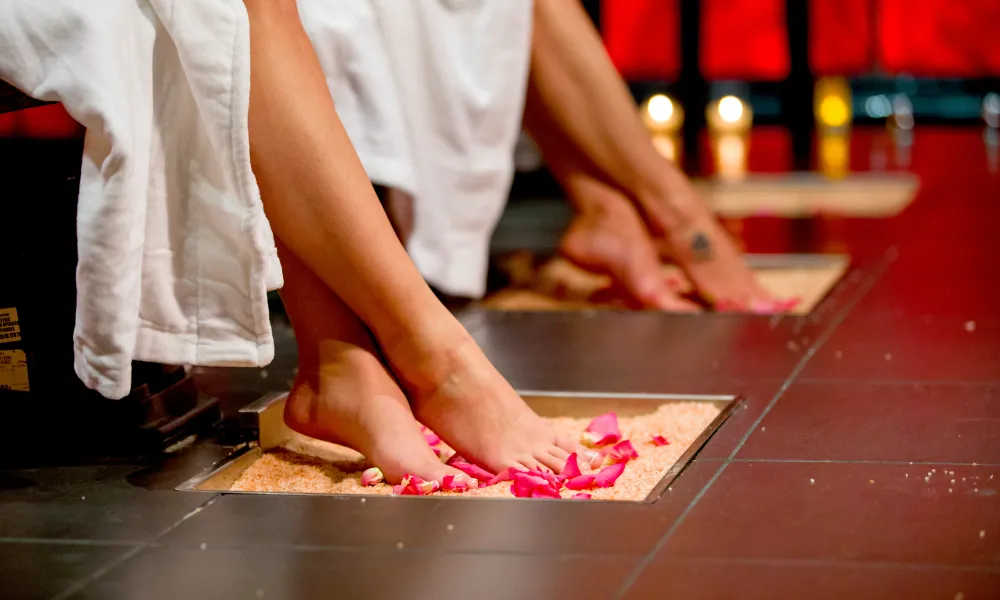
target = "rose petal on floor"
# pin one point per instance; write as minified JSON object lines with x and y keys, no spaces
{"x":609,"y":475}
{"x":659,"y":440}
{"x":602,"y":430}
{"x":580,"y":496}
{"x":372,"y":476}
{"x":470,"y":469}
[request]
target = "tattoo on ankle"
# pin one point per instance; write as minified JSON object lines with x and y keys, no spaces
{"x":701,"y":247}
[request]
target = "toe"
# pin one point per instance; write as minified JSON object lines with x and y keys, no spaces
{"x":551,"y":462}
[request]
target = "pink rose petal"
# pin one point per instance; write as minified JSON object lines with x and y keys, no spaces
{"x":609,"y":475}
{"x":432,"y":438}
{"x":580,"y":482}
{"x":548,"y":476}
{"x":372,"y":476}
{"x":659,"y":440}
{"x":602,"y":430}
{"x":545,"y":492}
{"x":527,"y":485}
{"x":580,"y":496}
{"x":622,"y":452}
{"x":505,"y":475}
{"x":470,"y":469}
{"x":397,"y":490}
{"x":415,"y":486}
{"x":451,"y":483}
{"x":445,"y":453}
{"x":572,"y":468}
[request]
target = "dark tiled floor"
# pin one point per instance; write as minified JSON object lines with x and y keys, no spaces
{"x":807,"y":492}
{"x":866,"y":512}
{"x":922,"y":422}
{"x":43,"y":569}
{"x":390,"y":574}
{"x":814,"y":580}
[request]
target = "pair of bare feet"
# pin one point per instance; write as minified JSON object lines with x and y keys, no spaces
{"x":372,"y":395}
{"x":628,"y":241}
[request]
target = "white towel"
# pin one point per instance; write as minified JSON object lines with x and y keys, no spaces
{"x":175,"y":254}
{"x":444,"y":126}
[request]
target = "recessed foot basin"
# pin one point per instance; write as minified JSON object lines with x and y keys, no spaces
{"x":281,"y":461}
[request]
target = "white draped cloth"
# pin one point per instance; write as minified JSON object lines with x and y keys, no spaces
{"x":175,"y":254}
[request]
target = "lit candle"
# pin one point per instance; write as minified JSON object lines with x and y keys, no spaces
{"x":728,"y":115}
{"x":832,"y":104}
{"x":663,"y":118}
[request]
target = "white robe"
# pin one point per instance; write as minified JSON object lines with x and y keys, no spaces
{"x":175,"y":254}
{"x":431,"y":93}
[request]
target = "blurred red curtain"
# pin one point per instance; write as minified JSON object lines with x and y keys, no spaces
{"x":643,"y":37}
{"x":940,"y":38}
{"x":744,"y":39}
{"x":43,"y":122}
{"x":840,"y":37}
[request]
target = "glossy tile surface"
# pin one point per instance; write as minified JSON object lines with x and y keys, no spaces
{"x":865,"y":512}
{"x":168,"y":574}
{"x":922,"y":422}
{"x":724,"y":580}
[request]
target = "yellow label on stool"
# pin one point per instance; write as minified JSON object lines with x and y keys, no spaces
{"x":13,"y":370}
{"x":10,"y":329}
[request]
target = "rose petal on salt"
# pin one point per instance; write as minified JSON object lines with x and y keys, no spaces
{"x":659,"y":440}
{"x":505,"y":475}
{"x":581,"y":482}
{"x":450,"y":483}
{"x":445,"y":454}
{"x":470,"y":469}
{"x":372,"y":476}
{"x":525,"y":484}
{"x":545,"y":491}
{"x":572,"y":468}
{"x":548,"y":476}
{"x":580,"y":496}
{"x":415,"y":486}
{"x":602,"y":430}
{"x":397,"y":490}
{"x":622,"y":452}
{"x":609,"y":475}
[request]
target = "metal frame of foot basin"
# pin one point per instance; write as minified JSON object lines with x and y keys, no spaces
{"x":265,"y":419}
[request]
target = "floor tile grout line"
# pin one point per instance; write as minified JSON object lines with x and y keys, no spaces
{"x":862,"y":291}
{"x":122,"y":559}
{"x":66,"y":542}
{"x":415,"y":551}
{"x":887,"y":382}
{"x":826,"y":563}
{"x":833,"y":461}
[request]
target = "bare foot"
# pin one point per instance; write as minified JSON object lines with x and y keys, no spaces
{"x":609,"y":237}
{"x":343,"y":392}
{"x":349,"y":399}
{"x":688,"y":233}
{"x":456,"y":392}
